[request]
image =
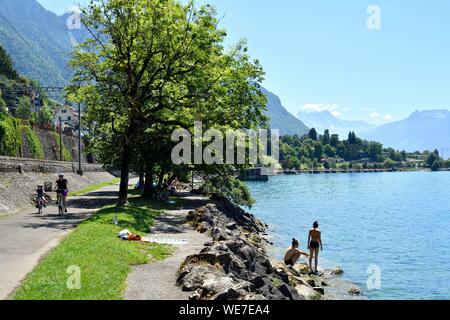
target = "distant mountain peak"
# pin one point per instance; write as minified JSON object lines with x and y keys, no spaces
{"x":322,"y":120}
{"x":433,"y":113}
{"x":38,"y":41}
{"x":422,"y":130}
{"x":282,"y":119}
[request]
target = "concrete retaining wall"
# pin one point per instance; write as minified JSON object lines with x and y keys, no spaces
{"x":8,"y":164}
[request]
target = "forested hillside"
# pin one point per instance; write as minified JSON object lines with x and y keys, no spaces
{"x":37,"y":39}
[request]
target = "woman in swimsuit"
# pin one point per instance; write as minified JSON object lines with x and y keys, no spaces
{"x":293,"y":254}
{"x":314,"y":243}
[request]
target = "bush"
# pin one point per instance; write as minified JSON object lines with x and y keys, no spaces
{"x":67,"y":156}
{"x":390,"y":164}
{"x":10,"y":137}
{"x":231,"y":188}
{"x":435,"y":166}
{"x":343,"y":165}
{"x":33,"y":141}
{"x":3,"y":106}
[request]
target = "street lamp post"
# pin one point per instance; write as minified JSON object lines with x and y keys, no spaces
{"x":80,"y":170}
{"x":60,"y":140}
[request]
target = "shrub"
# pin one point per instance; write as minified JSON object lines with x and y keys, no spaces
{"x":67,"y":156}
{"x":231,"y":188}
{"x":436,"y":166}
{"x":10,"y":137}
{"x":33,"y":141}
{"x":344,"y":165}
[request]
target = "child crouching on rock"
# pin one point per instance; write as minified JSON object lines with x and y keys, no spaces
{"x":293,"y":254}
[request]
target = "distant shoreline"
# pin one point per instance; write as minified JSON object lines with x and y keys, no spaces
{"x":321,"y":171}
{"x":258,"y":176}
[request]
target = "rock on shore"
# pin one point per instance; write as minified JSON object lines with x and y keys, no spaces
{"x":234,"y":265}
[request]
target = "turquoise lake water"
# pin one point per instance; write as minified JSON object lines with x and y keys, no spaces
{"x":398,"y":222}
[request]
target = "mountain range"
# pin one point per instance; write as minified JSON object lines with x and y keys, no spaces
{"x":282,"y":119}
{"x":38,"y":40}
{"x":39,"y":43}
{"x":423,"y":130}
{"x":325,"y":120}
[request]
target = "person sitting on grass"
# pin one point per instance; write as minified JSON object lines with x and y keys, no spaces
{"x":293,"y":254}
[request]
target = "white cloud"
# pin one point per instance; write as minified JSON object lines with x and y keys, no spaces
{"x":335,"y":113}
{"x":374,"y":115}
{"x":318,"y":107}
{"x":73,"y":9}
{"x":387,"y":117}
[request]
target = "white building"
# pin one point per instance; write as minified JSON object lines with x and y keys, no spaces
{"x":67,"y":116}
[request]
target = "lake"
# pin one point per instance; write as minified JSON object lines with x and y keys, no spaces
{"x":397,"y":222}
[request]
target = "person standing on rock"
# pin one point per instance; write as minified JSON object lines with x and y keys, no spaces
{"x":293,"y":254}
{"x":314,"y":243}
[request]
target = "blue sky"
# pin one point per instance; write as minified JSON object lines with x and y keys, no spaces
{"x":320,"y":55}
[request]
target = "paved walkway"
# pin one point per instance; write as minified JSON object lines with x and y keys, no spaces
{"x":156,"y":280}
{"x":25,"y":237}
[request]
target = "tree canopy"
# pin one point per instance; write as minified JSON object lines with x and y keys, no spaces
{"x":147,"y":70}
{"x":6,"y":65}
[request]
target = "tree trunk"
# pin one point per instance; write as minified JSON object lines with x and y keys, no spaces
{"x":148,"y":185}
{"x":161,"y":177}
{"x":141,"y":178}
{"x":124,"y":174}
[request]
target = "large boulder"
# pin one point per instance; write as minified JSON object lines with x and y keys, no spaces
{"x":290,"y":292}
{"x":192,"y":276}
{"x":234,"y":265}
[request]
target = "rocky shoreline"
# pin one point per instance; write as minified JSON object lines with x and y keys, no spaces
{"x":235,"y":265}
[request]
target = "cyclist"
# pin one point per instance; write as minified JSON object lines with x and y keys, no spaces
{"x":62,"y":186}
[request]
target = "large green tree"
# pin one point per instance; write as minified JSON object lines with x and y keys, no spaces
{"x":6,"y":65}
{"x":3,"y":106}
{"x":162,"y":64}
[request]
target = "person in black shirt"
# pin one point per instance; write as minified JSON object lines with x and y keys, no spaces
{"x":62,"y":186}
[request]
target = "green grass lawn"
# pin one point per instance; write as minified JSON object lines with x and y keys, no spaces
{"x":104,"y":260}
{"x":95,"y":187}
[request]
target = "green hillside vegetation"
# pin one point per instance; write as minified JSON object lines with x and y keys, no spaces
{"x":14,"y":131}
{"x":15,"y":91}
{"x":280,"y":118}
{"x":67,"y":156}
{"x":327,"y":151}
{"x":34,"y":143}
{"x":17,"y":127}
{"x":10,"y":136}
{"x":37,"y":39}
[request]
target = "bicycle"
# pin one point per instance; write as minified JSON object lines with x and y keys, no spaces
{"x":40,"y":205}
{"x":60,"y":202}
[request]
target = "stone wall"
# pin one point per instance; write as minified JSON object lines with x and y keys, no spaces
{"x":9,"y":164}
